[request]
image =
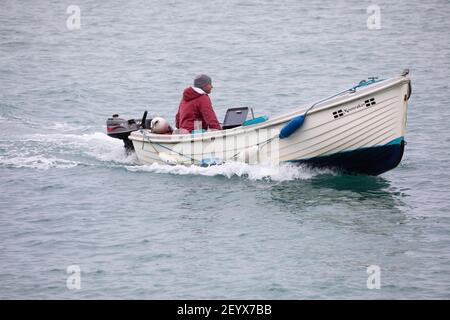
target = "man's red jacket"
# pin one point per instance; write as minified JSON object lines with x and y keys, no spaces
{"x":196,"y":106}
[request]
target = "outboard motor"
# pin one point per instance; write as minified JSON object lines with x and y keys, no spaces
{"x":120,"y":128}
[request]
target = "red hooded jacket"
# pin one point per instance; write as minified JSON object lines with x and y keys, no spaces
{"x":196,"y":106}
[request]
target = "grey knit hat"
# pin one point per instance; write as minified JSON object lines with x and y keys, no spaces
{"x":201,"y":80}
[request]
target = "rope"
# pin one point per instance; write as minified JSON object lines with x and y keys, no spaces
{"x":167,"y":148}
{"x":362,"y":83}
{"x":144,"y":135}
{"x":258,"y":145}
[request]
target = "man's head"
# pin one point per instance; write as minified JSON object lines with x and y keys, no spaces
{"x":203,"y":82}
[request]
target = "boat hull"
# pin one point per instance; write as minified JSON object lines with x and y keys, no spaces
{"x":369,"y":161}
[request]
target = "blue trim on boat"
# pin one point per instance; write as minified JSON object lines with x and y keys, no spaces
{"x":372,"y":161}
{"x":395,"y":141}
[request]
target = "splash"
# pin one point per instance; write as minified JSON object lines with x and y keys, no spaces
{"x":67,"y":127}
{"x":45,"y":151}
{"x":95,"y":145}
{"x":37,"y":162}
{"x":63,"y":151}
{"x":283,"y":172}
{"x":106,"y":149}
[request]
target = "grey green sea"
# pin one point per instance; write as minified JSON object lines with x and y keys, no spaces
{"x":71,"y":196}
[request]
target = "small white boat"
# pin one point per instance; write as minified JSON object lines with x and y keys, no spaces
{"x":360,"y":130}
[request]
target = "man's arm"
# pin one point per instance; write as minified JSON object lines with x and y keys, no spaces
{"x":208,"y":113}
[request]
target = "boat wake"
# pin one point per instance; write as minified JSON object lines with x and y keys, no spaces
{"x":38,"y":162}
{"x":65,"y":150}
{"x":284,"y":172}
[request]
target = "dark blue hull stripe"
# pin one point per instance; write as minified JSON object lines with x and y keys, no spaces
{"x":370,"y":161}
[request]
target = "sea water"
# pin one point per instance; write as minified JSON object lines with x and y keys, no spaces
{"x":81,"y":219}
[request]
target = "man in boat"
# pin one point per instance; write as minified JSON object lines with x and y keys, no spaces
{"x":195,"y":106}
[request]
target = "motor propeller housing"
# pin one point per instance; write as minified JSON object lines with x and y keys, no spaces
{"x":121,"y":128}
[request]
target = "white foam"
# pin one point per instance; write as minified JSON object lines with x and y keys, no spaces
{"x":97,"y":145}
{"x":37,"y":162}
{"x":103,"y":148}
{"x":67,"y":127}
{"x":284,"y":172}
